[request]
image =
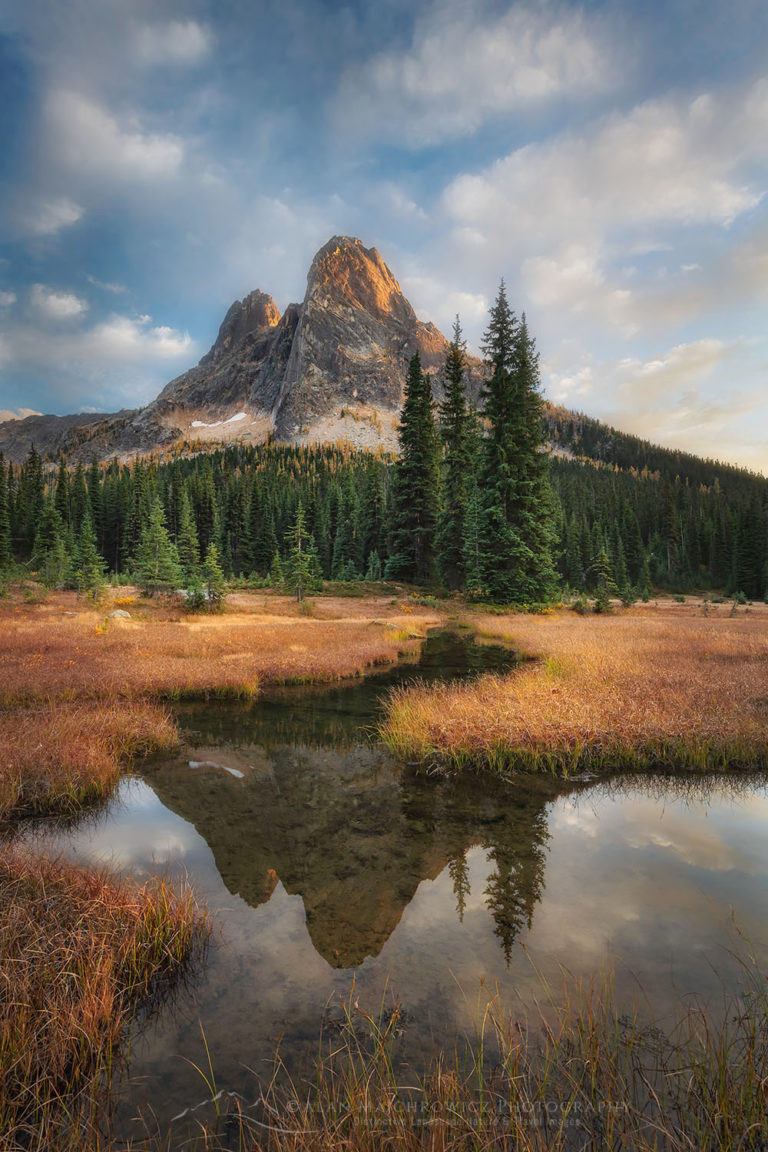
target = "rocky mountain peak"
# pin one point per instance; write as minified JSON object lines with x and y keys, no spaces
{"x":253,"y":315}
{"x":330,"y":368}
{"x":346,"y":273}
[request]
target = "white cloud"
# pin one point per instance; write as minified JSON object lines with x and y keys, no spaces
{"x":57,"y":305}
{"x":7,"y":299}
{"x":431,"y":301}
{"x":178,"y":42}
{"x":122,"y":339}
{"x":106,"y":286}
{"x":667,"y":161}
{"x":581,"y":220}
{"x":49,"y":216}
{"x":85,"y":138}
{"x":119,"y":353}
{"x":684,"y":396}
{"x":574,"y":278}
{"x":466,"y":65}
{"x":17,"y":414}
{"x":686,"y":366}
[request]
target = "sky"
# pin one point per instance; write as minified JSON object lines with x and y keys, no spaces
{"x":162,"y":158}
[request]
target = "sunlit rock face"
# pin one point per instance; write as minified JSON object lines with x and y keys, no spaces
{"x":330,"y":368}
{"x":355,"y":336}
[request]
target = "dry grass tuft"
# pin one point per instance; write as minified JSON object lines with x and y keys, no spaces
{"x":633,"y":690}
{"x":60,"y":757}
{"x":49,"y":655}
{"x":80,"y":954}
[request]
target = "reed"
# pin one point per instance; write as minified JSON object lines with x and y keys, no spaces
{"x":59,"y":757}
{"x":81,"y":953}
{"x":631,"y":691}
{"x":578,"y":1074}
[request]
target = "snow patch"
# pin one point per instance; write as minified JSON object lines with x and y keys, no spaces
{"x":218,"y":423}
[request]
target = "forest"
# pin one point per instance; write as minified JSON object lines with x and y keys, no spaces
{"x":603,"y":513}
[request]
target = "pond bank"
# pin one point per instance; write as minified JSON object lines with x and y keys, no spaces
{"x":602,"y":693}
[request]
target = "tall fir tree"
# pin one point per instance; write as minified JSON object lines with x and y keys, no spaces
{"x":157,"y":567}
{"x":415,"y":486}
{"x":187,"y":544}
{"x":89,"y":564}
{"x":302,"y":569}
{"x":214,"y":582}
{"x":49,"y":556}
{"x":6,"y":548}
{"x":517,"y":529}
{"x":456,"y":466}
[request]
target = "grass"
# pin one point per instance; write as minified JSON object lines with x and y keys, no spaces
{"x":642,"y":689}
{"x":79,"y":690}
{"x":64,"y":651}
{"x":81,"y":953}
{"x":58,"y":758}
{"x":581,"y":1074}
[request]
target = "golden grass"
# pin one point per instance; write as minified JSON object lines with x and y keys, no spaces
{"x":80,"y":954}
{"x":633,"y":690}
{"x":59,"y":757}
{"x":50,"y":653}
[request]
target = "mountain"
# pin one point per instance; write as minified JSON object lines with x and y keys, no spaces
{"x":328,"y":369}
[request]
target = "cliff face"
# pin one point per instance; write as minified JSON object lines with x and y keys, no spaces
{"x":330,"y":368}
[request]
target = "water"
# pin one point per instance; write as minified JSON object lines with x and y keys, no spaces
{"x":324,"y":862}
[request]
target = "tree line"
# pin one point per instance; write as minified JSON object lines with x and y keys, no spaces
{"x":472,"y":502}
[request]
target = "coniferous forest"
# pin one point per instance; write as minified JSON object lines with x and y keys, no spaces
{"x":473,"y":502}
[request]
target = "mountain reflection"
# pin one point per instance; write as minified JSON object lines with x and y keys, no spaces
{"x":354,"y":837}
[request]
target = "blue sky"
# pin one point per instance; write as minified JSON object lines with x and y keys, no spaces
{"x":160,"y":159}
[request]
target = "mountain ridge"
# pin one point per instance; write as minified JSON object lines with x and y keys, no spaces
{"x":329,"y":368}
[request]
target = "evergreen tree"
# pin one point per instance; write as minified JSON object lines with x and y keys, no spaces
{"x":213,"y":579}
{"x":62,"y":491}
{"x":89,"y":564}
{"x":265,"y":546}
{"x":157,"y":567}
{"x":415,"y":485}
{"x":49,"y":557}
{"x":78,"y":495}
{"x":605,"y":585}
{"x":301,"y":572}
{"x":6,"y":550}
{"x":187,"y":542}
{"x":456,"y":471}
{"x":95,"y":502}
{"x":518,"y":534}
{"x":458,"y":870}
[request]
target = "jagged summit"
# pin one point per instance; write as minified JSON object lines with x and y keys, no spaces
{"x":254,"y":314}
{"x":330,"y":368}
{"x":352,"y":274}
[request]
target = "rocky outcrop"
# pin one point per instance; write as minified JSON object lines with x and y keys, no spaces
{"x":330,"y":368}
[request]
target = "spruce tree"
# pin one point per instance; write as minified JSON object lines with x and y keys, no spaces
{"x":187,"y":542}
{"x":518,"y":514}
{"x":89,"y":564}
{"x":456,"y":471}
{"x":157,"y":567}
{"x":49,"y":556}
{"x":415,"y":484}
{"x":301,"y":571}
{"x":213,"y":579}
{"x":6,"y":550}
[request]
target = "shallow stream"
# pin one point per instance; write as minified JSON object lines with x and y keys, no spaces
{"x":325,"y":863}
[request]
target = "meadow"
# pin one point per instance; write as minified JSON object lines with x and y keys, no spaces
{"x":661,"y":685}
{"x":82,"y":692}
{"x":82,"y":952}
